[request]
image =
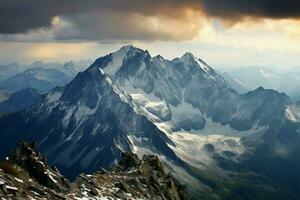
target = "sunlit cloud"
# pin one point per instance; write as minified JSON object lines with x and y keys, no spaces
{"x":222,"y":31}
{"x":267,"y":34}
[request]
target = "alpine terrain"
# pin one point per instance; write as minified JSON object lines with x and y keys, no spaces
{"x":222,"y":144}
{"x":25,"y":174}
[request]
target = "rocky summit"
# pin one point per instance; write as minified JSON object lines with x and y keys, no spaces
{"x":25,"y":174}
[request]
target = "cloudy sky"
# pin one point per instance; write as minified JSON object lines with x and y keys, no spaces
{"x":222,"y":32}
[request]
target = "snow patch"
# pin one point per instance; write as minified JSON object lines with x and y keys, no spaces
{"x":267,"y":74}
{"x":191,"y":147}
{"x":138,"y":145}
{"x":53,"y":96}
{"x":292,"y":114}
{"x":50,"y":175}
{"x":19,"y":180}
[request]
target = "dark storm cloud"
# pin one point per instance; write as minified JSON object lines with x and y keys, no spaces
{"x":100,"y":19}
{"x":254,"y":8}
{"x":18,"y":16}
{"x":127,"y":19}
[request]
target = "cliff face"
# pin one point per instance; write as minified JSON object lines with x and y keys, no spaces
{"x":24,"y":174}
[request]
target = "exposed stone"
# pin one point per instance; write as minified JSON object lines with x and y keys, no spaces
{"x":37,"y":190}
{"x":129,"y":160}
{"x":123,"y":186}
{"x":94,"y":192}
{"x":30,"y":177}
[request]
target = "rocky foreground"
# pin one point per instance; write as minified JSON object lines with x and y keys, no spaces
{"x":24,"y":174}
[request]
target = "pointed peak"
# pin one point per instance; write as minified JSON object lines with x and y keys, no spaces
{"x":130,"y":50}
{"x":188,"y":55}
{"x":129,"y":47}
{"x":261,"y":88}
{"x":159,"y":57}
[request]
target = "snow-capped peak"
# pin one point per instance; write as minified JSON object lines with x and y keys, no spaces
{"x":114,"y":61}
{"x":189,"y":57}
{"x":129,"y":48}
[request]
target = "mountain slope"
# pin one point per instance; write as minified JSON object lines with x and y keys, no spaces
{"x":9,"y":70}
{"x":20,"y":100}
{"x":173,"y":90}
{"x":91,"y":119}
{"x":184,"y":84}
{"x":253,"y":77}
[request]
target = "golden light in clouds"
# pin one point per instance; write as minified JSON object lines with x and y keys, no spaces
{"x":258,"y":35}
{"x":292,"y":28}
{"x":57,"y":51}
{"x":185,"y":26}
{"x":55,"y":21}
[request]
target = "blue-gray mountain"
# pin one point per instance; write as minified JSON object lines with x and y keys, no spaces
{"x":234,"y":84}
{"x":12,"y":69}
{"x":223,"y":144}
{"x":20,"y":100}
{"x":250,"y":78}
{"x":9,"y":70}
{"x":41,"y":79}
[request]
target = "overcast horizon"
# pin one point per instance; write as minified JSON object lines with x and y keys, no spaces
{"x":227,"y":34}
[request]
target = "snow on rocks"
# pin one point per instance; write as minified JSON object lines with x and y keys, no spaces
{"x":131,"y":179}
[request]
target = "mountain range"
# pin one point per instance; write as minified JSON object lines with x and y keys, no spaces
{"x":222,"y":144}
{"x":39,"y":75}
{"x":249,"y":78}
{"x":40,"y":78}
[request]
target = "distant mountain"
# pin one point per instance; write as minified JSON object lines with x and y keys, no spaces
{"x":39,"y":75}
{"x":41,"y":64}
{"x":254,"y":77}
{"x":70,"y":69}
{"x":224,"y":145}
{"x":82,"y":64}
{"x":251,"y":78}
{"x":20,"y":100}
{"x":40,"y":78}
{"x":7,"y":71}
{"x":234,"y":83}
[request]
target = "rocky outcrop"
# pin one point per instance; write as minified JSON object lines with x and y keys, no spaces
{"x":24,"y":174}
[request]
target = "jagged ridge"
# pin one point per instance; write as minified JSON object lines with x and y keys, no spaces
{"x":25,"y":175}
